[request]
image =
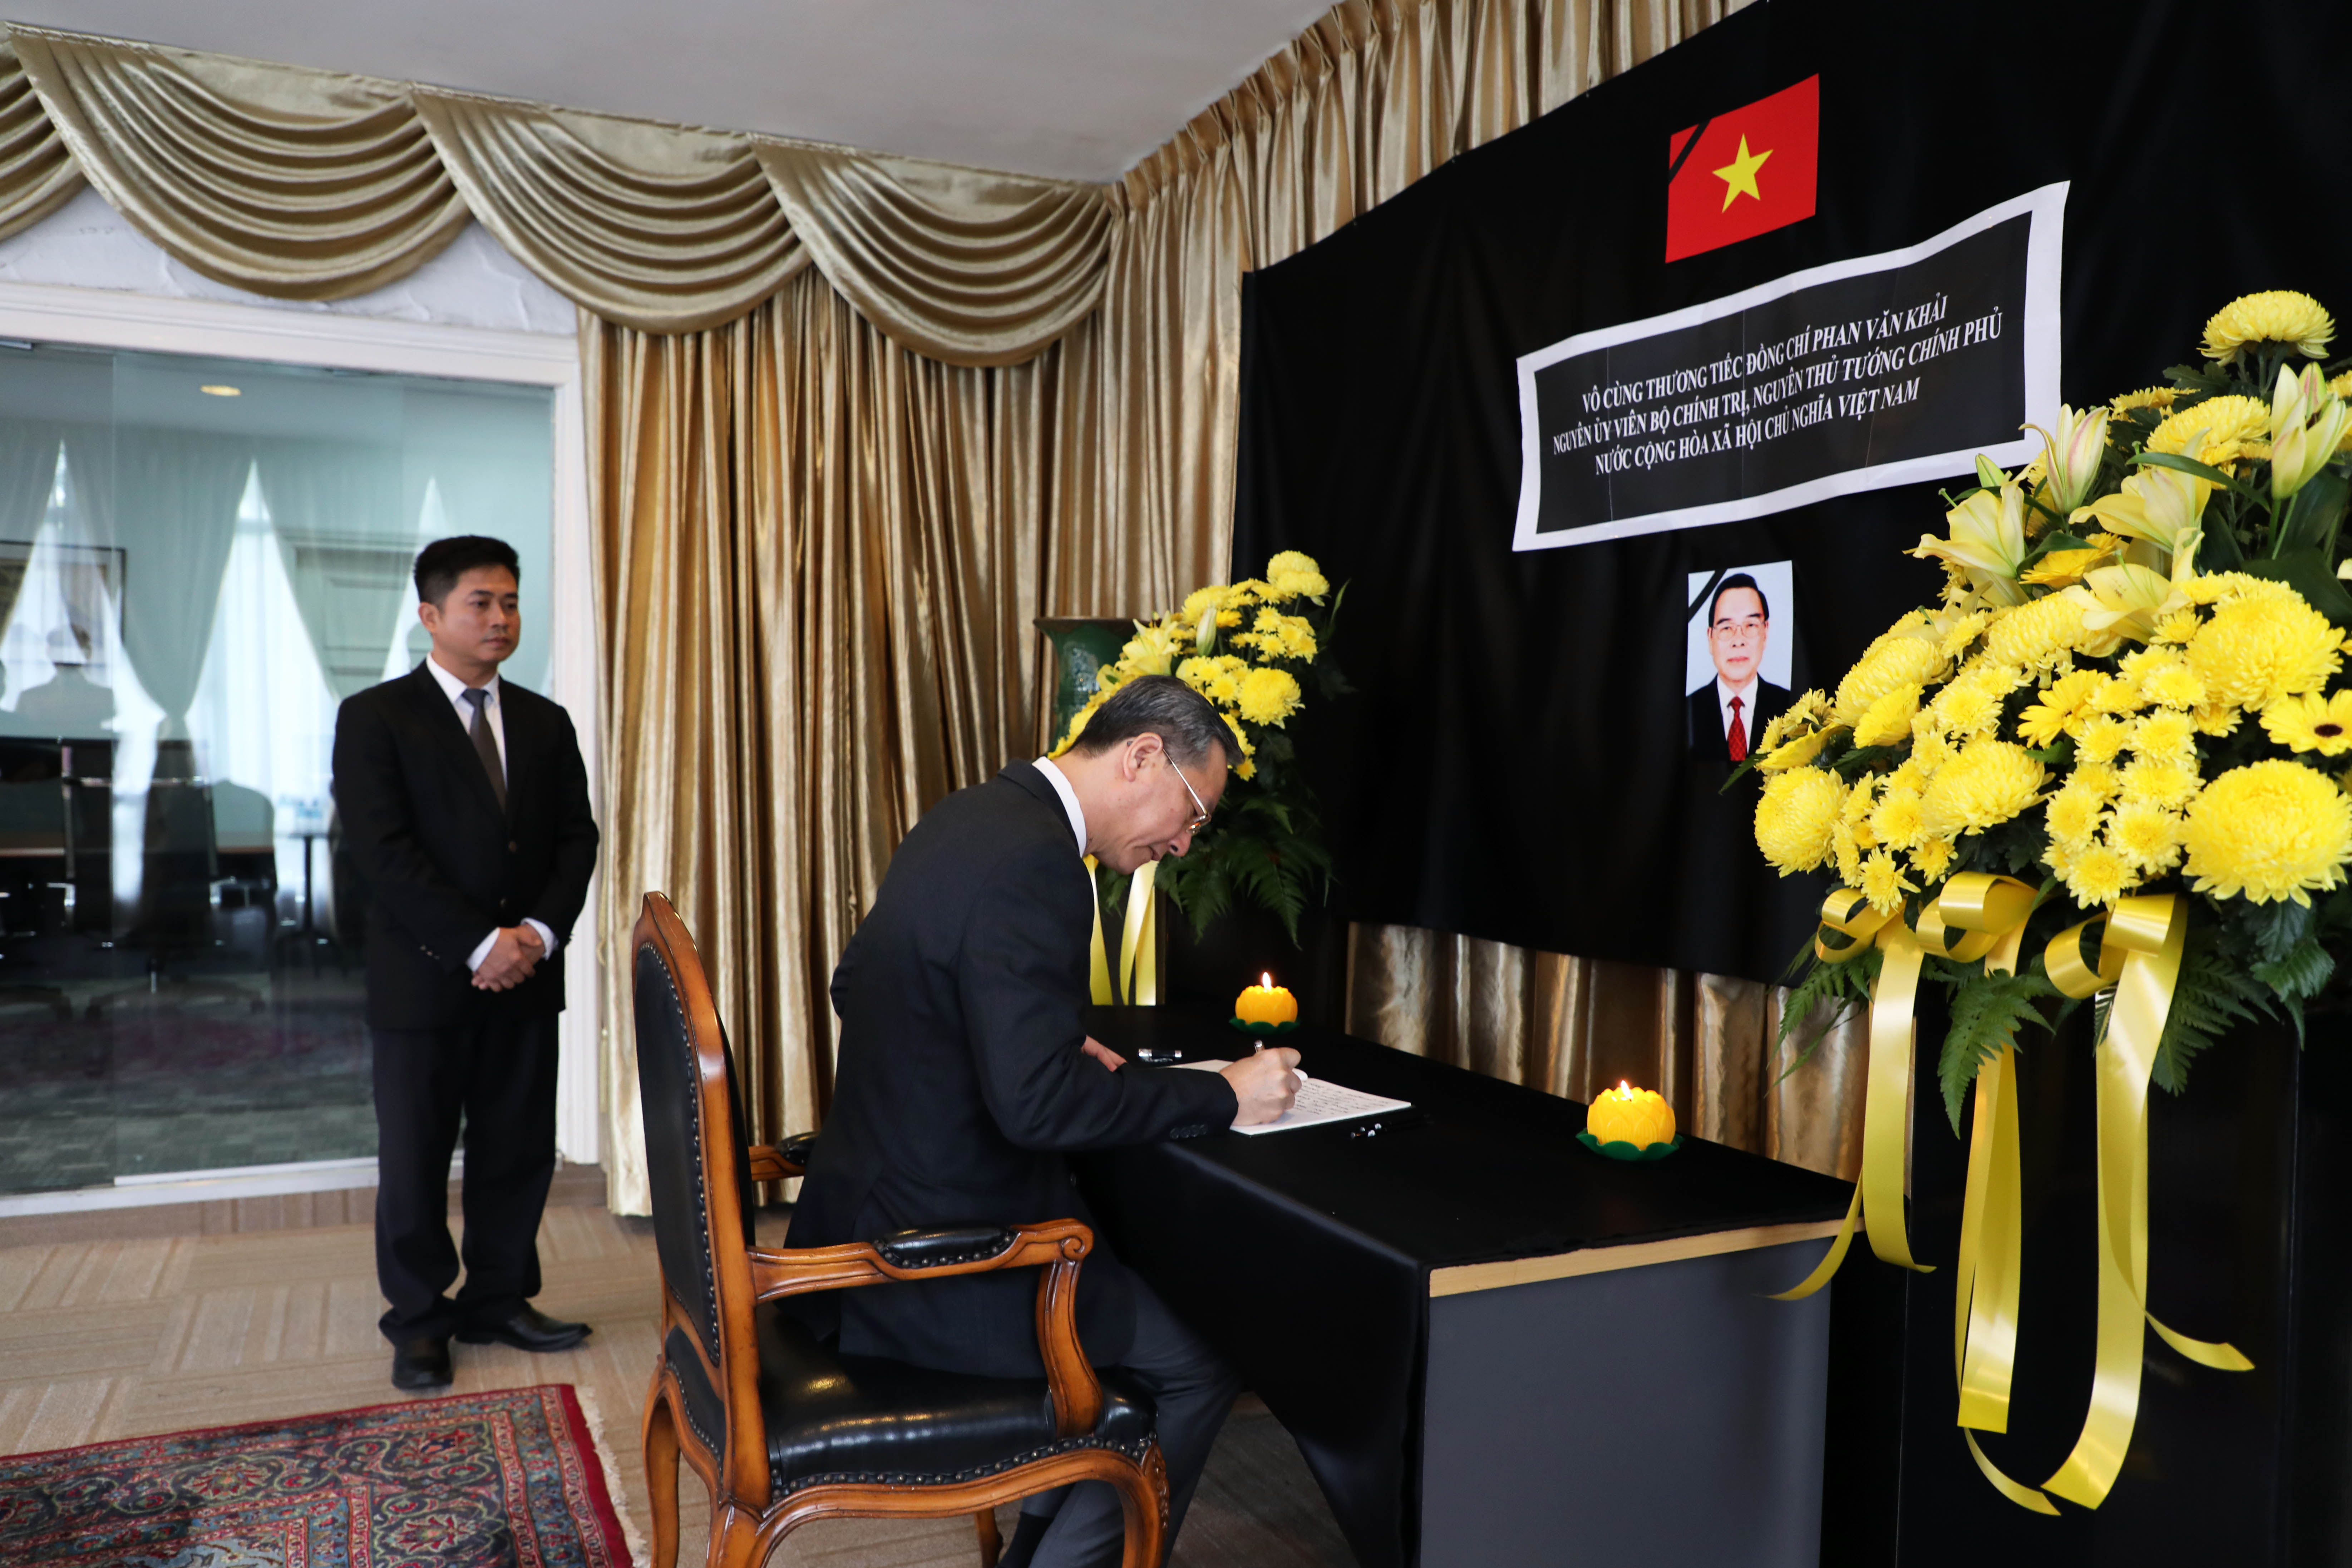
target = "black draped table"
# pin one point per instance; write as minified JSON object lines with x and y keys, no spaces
{"x":1491,"y":1345}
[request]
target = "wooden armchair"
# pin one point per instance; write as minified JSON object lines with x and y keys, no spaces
{"x":782,"y":1428}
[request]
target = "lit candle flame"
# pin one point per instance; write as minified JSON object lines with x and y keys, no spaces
{"x":1265,"y":981}
{"x":1624,"y":1089}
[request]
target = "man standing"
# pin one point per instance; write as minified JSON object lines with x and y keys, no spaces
{"x":1730,"y":712}
{"x":464,"y":805}
{"x":966,"y":1074}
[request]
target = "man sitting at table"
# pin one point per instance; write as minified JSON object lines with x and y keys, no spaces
{"x":966,"y":1074}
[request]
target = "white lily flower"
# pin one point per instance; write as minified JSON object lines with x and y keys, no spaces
{"x":1988,"y":534}
{"x":2307,"y":423}
{"x":2160,"y":505}
{"x":2072,"y":454}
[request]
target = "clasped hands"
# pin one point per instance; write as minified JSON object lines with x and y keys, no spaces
{"x":514,"y":954}
{"x":1261,"y":1081}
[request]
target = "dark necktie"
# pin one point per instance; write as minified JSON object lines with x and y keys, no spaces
{"x":486,"y":745}
{"x":1738,"y":736}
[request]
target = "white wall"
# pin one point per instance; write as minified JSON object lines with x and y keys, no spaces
{"x":85,"y":244}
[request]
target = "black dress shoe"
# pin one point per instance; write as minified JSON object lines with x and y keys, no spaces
{"x":420,"y":1363}
{"x":527,"y":1328}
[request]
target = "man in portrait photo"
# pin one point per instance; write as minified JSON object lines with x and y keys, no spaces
{"x":1728,"y":713}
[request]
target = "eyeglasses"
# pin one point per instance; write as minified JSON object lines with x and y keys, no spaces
{"x":1201,"y":812}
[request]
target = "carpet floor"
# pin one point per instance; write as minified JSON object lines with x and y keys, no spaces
{"x":476,"y":1479}
{"x":107,"y":1340}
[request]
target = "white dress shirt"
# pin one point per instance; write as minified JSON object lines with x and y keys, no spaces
{"x":1069,"y":799}
{"x":456,"y":691}
{"x":1747,"y":695}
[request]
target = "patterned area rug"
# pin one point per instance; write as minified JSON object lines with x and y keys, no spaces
{"x":509,"y":1480}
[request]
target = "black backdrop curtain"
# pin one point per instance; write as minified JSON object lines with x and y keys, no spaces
{"x":1542,"y":789}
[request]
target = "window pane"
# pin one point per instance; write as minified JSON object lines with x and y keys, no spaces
{"x":199,"y":559}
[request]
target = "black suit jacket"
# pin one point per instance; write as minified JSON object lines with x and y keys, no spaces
{"x":441,"y":865}
{"x":961,"y":1083}
{"x":1704,"y":726}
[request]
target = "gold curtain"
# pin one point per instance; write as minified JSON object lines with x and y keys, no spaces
{"x":1005,"y":264}
{"x":818,"y":557}
{"x":1575,"y":1027}
{"x":651,"y":226}
{"x":301,"y":183}
{"x":312,"y":184}
{"x":38,"y":175}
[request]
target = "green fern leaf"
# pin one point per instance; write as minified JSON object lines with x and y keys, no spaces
{"x":1987,"y":1012}
{"x":2212,"y":994}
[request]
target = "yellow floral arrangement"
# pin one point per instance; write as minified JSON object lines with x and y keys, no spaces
{"x":2133,"y":683}
{"x":1251,"y":648}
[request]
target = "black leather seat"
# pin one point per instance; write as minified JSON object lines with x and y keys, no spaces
{"x":831,"y":1417}
{"x":781,"y":1424}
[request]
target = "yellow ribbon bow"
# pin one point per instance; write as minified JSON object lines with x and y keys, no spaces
{"x":2140,"y":950}
{"x":1139,"y":952}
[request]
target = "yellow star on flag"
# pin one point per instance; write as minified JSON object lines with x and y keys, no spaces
{"x":1738,"y":177}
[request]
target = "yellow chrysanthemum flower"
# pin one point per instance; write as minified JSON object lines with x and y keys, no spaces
{"x":1987,"y":784}
{"x":2159,"y":779}
{"x":1887,"y":720}
{"x":1797,"y":753}
{"x":2269,"y":831}
{"x":2114,"y":695}
{"x":2145,"y":834}
{"x":2033,"y":634}
{"x":2256,"y":650}
{"x":2223,"y":427}
{"x":2274,"y":316}
{"x":2310,"y":722}
{"x":2097,"y":876}
{"x":1198,"y":602}
{"x":1292,"y":575}
{"x":1889,"y":664}
{"x":1898,"y":819}
{"x":2097,"y":777}
{"x":2215,"y":718}
{"x":2177,"y":628}
{"x":1964,"y":631}
{"x":2060,"y":567}
{"x":1882,"y":882}
{"x":2101,"y":739}
{"x":1268,"y":696}
{"x":1845,"y":851}
{"x":2165,"y":733}
{"x":2146,"y":397}
{"x":2062,"y":703}
{"x":1932,"y":857}
{"x":2173,"y":686}
{"x":2074,"y":815}
{"x":1800,"y":715}
{"x":1965,"y":709}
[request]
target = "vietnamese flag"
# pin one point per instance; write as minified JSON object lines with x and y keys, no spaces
{"x":1745,"y":172}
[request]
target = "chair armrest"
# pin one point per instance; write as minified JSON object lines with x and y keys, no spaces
{"x":778,"y":1162}
{"x":1057,"y":1246}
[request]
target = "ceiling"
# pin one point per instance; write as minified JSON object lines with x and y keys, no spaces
{"x":1073,"y":88}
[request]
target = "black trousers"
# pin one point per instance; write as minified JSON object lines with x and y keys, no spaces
{"x":501,"y":1077}
{"x":1193,"y":1391}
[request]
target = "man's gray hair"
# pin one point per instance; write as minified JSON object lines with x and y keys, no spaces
{"x":1187,"y":723}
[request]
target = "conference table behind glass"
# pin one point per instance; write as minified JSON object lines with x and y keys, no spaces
{"x":1491,"y":1343}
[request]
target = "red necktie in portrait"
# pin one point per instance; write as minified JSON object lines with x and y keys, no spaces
{"x":1738,"y":734}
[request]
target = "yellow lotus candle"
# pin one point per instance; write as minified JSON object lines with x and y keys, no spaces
{"x":1266,"y":1002}
{"x":1628,"y":1115}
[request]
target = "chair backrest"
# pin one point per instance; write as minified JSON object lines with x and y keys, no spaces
{"x":696,"y":1165}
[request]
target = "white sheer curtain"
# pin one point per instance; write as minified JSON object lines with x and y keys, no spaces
{"x":263,"y":716}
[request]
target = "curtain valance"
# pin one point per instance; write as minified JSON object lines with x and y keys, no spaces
{"x":313,"y":185}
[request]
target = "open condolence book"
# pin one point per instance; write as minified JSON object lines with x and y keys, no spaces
{"x":1318,"y":1102}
